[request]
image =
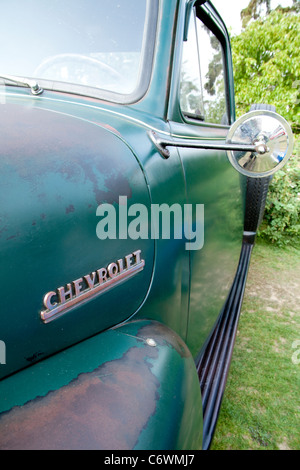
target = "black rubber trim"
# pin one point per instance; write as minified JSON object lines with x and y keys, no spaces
{"x":256,"y":196}
{"x":215,"y":360}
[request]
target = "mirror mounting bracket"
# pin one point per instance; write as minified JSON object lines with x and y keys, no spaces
{"x":162,"y":143}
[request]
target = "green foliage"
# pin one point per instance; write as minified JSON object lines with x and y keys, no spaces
{"x":253,"y":10}
{"x":281,"y":224}
{"x":267,"y":67}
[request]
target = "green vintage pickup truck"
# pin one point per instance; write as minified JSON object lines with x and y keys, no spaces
{"x":130,"y":199}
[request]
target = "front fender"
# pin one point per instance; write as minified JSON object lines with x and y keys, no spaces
{"x":131,"y":387}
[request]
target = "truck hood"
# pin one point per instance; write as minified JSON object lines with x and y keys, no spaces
{"x":59,"y":282}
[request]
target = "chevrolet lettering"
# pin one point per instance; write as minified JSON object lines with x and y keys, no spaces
{"x":130,"y":198}
{"x":66,"y":298}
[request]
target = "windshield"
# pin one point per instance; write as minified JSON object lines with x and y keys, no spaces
{"x":87,"y":43}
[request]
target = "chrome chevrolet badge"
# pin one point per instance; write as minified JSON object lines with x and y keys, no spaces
{"x":91,"y":285}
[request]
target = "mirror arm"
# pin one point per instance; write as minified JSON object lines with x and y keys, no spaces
{"x":162,"y":143}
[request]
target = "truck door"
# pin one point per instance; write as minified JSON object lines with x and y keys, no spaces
{"x":205,"y":108}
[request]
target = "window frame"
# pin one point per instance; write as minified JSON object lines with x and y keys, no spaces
{"x":213,"y":23}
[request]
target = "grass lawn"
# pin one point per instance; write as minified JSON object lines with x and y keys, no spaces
{"x":261,"y":405}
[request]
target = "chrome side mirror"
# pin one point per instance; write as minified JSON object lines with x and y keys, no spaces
{"x":258,"y":144}
{"x":273,"y":140}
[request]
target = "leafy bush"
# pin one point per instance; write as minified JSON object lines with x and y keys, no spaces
{"x":267,"y":67}
{"x":281,"y":223}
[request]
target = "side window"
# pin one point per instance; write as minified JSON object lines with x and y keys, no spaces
{"x":202,"y":87}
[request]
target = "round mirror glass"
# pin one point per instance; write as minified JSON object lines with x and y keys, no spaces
{"x":272,"y":137}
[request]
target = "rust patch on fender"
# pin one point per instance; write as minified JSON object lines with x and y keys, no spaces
{"x":105,"y":409}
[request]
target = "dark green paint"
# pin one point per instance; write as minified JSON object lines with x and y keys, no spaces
{"x":74,"y":154}
{"x":113,"y":361}
{"x":55,"y":171}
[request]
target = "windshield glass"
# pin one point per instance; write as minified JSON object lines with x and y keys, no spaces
{"x":91,"y":43}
